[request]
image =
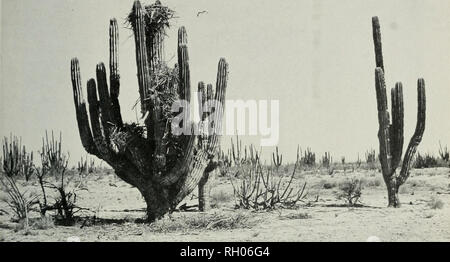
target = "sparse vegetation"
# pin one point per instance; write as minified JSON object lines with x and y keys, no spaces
{"x":327,"y":160}
{"x":350,"y":191}
{"x":152,"y":172}
{"x":258,"y":188}
{"x":53,"y":175}
{"x":443,"y":153}
{"x":215,"y":221}
{"x":309,"y":158}
{"x":19,"y":200}
{"x":425,"y":161}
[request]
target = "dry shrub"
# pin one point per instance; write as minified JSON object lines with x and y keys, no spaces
{"x":260,"y":189}
{"x":350,"y":191}
{"x":328,"y":185}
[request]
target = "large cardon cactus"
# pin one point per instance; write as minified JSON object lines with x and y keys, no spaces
{"x":391,"y":135}
{"x":165,"y":167}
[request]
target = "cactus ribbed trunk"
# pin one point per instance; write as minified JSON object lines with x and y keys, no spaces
{"x":139,"y":157}
{"x":204,"y":202}
{"x":390,"y":135}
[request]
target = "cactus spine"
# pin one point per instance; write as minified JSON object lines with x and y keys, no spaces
{"x":391,"y":135}
{"x":140,"y":155}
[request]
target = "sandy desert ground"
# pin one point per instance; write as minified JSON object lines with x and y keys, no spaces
{"x":424,"y":215}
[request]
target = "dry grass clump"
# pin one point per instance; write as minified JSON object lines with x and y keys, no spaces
{"x":218,"y":198}
{"x":301,"y":215}
{"x":435,"y":203}
{"x":214,"y":221}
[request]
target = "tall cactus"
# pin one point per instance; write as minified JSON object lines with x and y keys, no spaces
{"x":277,"y":159}
{"x":144,"y":156}
{"x":391,"y":135}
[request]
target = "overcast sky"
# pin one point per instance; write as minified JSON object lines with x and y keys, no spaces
{"x":315,"y":57}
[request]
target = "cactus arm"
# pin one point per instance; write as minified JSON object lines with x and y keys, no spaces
{"x":219,"y":107}
{"x":209,"y":92}
{"x":184,"y":90}
{"x":183,"y":62}
{"x":94,"y":110}
{"x":418,"y":133}
{"x":384,"y":123}
{"x":105,"y":101}
{"x":377,"y":41}
{"x":96,"y":123}
{"x":397,"y":125}
{"x":80,"y":109}
{"x":209,"y":95}
{"x":158,"y":133}
{"x":143,"y":72}
{"x":114,"y":77}
{"x":201,"y":101}
{"x":196,"y":164}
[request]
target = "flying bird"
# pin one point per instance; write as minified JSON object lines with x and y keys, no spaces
{"x":202,"y":12}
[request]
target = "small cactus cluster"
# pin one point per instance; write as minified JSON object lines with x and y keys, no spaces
{"x":16,"y":160}
{"x":243,"y":155}
{"x":309,"y":158}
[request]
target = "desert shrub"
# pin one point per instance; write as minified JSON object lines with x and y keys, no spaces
{"x":15,"y":158}
{"x":350,"y":191}
{"x":327,"y":184}
{"x":53,"y":175}
{"x":425,"y":161}
{"x":435,"y":203}
{"x":259,"y":188}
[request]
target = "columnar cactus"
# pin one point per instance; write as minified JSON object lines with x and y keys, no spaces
{"x":277,"y":159}
{"x":391,"y":135}
{"x":164,"y":167}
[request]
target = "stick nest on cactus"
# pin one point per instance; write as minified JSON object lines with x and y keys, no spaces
{"x":157,"y":17}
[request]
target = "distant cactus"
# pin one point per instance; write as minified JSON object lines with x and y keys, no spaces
{"x":309,"y":158}
{"x":164,"y":167}
{"x":443,"y":153}
{"x":371,"y":157}
{"x":327,"y":160}
{"x":277,"y":159}
{"x":391,"y":135}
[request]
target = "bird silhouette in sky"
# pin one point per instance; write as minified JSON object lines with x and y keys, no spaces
{"x":202,"y":12}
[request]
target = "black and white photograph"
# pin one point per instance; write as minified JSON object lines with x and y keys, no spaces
{"x":201,"y":121}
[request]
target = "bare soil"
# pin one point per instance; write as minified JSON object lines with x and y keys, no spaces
{"x":117,"y":208}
